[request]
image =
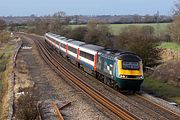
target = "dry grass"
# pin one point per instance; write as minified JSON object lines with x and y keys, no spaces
{"x":24,"y":99}
{"x":6,"y":92}
{"x":26,"y":105}
{"x":22,"y":78}
{"x":168,"y":72}
{"x":6,"y":50}
{"x":4,"y":36}
{"x":22,"y":81}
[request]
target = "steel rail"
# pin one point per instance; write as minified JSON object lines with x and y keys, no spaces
{"x":159,"y":106}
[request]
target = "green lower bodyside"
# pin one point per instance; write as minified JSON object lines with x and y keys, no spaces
{"x":129,"y":84}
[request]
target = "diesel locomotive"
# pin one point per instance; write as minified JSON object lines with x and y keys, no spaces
{"x":118,"y":69}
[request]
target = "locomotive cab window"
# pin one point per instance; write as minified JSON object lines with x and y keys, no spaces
{"x":130,"y":65}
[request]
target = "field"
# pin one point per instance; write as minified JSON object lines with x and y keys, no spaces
{"x":170,"y":45}
{"x":160,"y":28}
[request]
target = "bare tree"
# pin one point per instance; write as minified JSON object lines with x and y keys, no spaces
{"x":136,"y":18}
{"x":92,"y":33}
{"x":41,"y":26}
{"x":59,"y":14}
{"x":176,"y":10}
{"x":174,"y":27}
{"x":2,"y":24}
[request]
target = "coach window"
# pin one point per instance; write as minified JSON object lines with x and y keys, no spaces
{"x":57,"y":42}
{"x":63,"y":46}
{"x":72,"y":49}
{"x":87,"y":55}
{"x":47,"y":37}
{"x":82,"y":54}
{"x":90,"y":57}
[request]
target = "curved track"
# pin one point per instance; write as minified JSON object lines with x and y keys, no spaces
{"x":91,"y":92}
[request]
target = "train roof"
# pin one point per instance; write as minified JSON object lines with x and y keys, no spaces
{"x":108,"y":53}
{"x":49,"y":33}
{"x":92,"y":47}
{"x":111,"y":54}
{"x":77,"y":43}
{"x":62,"y":38}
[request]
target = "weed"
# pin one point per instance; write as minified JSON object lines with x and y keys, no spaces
{"x":26,"y":105}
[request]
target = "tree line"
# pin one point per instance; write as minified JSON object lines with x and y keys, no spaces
{"x":141,"y":40}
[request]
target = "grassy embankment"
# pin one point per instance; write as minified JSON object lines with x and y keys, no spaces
{"x":162,"y":89}
{"x":5,"y":69}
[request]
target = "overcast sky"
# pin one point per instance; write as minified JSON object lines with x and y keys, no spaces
{"x":85,"y":7}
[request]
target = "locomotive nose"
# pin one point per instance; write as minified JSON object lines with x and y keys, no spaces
{"x":130,"y":70}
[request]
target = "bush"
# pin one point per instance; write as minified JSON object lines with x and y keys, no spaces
{"x":79,"y":33}
{"x":4,"y":36}
{"x":26,"y":105}
{"x":65,"y":31}
{"x":140,"y":40}
{"x":98,"y":34}
{"x":104,"y":36}
{"x":91,"y":36}
{"x":2,"y":25}
{"x":41,"y":27}
{"x":168,"y":72}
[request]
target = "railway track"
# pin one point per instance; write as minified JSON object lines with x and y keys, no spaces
{"x":167,"y":113}
{"x":137,"y":101}
{"x":91,"y":92}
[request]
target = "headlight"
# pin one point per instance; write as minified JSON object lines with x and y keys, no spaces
{"x":122,"y":76}
{"x":140,"y":77}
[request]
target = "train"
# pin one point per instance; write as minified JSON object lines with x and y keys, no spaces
{"x":122,"y":70}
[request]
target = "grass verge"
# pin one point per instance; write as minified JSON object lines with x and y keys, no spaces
{"x":161,"y":89}
{"x":6,"y":52}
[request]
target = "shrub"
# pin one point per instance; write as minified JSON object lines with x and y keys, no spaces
{"x":2,"y":25}
{"x":26,"y":105}
{"x":98,"y":34}
{"x":79,"y":33}
{"x":41,"y":27}
{"x":140,"y":40}
{"x":4,"y":36}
